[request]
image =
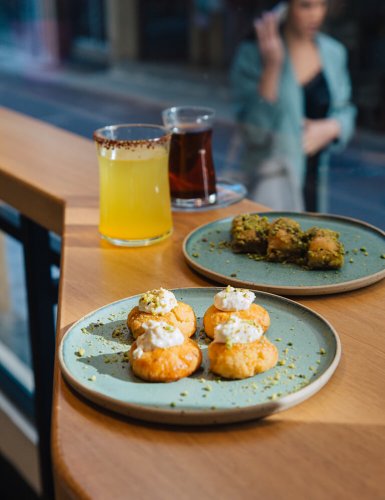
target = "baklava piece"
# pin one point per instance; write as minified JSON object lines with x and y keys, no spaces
{"x":325,"y":251}
{"x":249,"y":234}
{"x":285,"y":241}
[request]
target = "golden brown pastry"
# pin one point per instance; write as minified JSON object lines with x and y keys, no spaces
{"x":161,"y":305}
{"x":240,"y":350}
{"x":249,"y":234}
{"x":163,"y":353}
{"x":285,"y":241}
{"x":234,"y":301}
{"x":325,"y":251}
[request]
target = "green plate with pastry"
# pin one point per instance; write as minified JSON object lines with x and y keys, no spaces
{"x":358,"y":256}
{"x":93,"y":360}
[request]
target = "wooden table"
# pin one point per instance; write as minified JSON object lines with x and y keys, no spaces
{"x":331,"y":446}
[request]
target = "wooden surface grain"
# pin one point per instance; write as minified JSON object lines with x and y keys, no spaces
{"x":331,"y":446}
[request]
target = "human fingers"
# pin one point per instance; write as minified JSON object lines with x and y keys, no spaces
{"x":307,"y":141}
{"x":260,"y":30}
{"x":271,"y":25}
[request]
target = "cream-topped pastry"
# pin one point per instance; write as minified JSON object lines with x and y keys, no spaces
{"x":240,"y":349}
{"x":159,"y":301}
{"x":163,"y":353}
{"x":161,"y":305}
{"x":157,"y":334}
{"x":234,"y":301}
{"x":237,"y":331}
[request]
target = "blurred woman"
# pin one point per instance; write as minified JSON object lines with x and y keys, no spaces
{"x":292,"y":90}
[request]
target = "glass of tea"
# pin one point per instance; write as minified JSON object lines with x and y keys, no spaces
{"x":135,"y":207}
{"x":191,"y":166}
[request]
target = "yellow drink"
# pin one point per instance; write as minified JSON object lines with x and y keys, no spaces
{"x":134,"y":193}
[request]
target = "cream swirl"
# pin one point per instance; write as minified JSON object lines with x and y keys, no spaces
{"x":233,"y":299}
{"x":159,"y":301}
{"x":237,"y":331}
{"x":157,"y":335}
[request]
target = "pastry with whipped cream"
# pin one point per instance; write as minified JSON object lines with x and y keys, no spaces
{"x":161,"y":305}
{"x":240,"y":349}
{"x":163,"y":353}
{"x":234,"y":301}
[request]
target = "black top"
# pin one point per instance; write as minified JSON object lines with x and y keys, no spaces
{"x":317,"y":97}
{"x":317,"y":103}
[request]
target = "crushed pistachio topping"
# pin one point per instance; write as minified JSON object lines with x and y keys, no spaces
{"x":158,"y":301}
{"x":237,"y":331}
{"x":80,"y":352}
{"x":233,"y":299}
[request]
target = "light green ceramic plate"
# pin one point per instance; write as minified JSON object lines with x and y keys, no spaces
{"x":309,"y":352}
{"x":205,"y":251}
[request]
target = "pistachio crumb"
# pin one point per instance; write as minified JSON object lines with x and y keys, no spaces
{"x":278,"y":339}
{"x":184,"y":393}
{"x":322,"y":352}
{"x":80,"y":352}
{"x":92,"y":378}
{"x":173,"y":404}
{"x":281,"y":362}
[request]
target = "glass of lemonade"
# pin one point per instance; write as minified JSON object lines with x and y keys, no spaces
{"x":135,"y":207}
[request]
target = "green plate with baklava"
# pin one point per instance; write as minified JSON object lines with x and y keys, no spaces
{"x":208,"y":251}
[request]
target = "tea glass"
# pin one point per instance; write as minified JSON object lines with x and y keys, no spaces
{"x":135,"y":206}
{"x":191,"y":165}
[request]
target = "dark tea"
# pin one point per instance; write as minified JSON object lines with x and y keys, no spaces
{"x":191,"y":166}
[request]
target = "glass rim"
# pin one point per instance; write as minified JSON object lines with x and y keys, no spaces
{"x":107,"y":142}
{"x":205,"y":110}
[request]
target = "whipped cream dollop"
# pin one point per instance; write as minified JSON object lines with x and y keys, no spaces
{"x":237,"y":331}
{"x":157,"y":334}
{"x":159,"y":301}
{"x":233,"y":299}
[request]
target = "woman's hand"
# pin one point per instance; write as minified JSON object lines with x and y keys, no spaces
{"x":269,"y":41}
{"x":317,"y":134}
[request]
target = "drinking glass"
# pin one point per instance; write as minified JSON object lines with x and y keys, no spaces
{"x":135,"y":206}
{"x":191,"y":165}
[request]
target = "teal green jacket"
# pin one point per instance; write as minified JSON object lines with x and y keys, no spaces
{"x":273,"y":131}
